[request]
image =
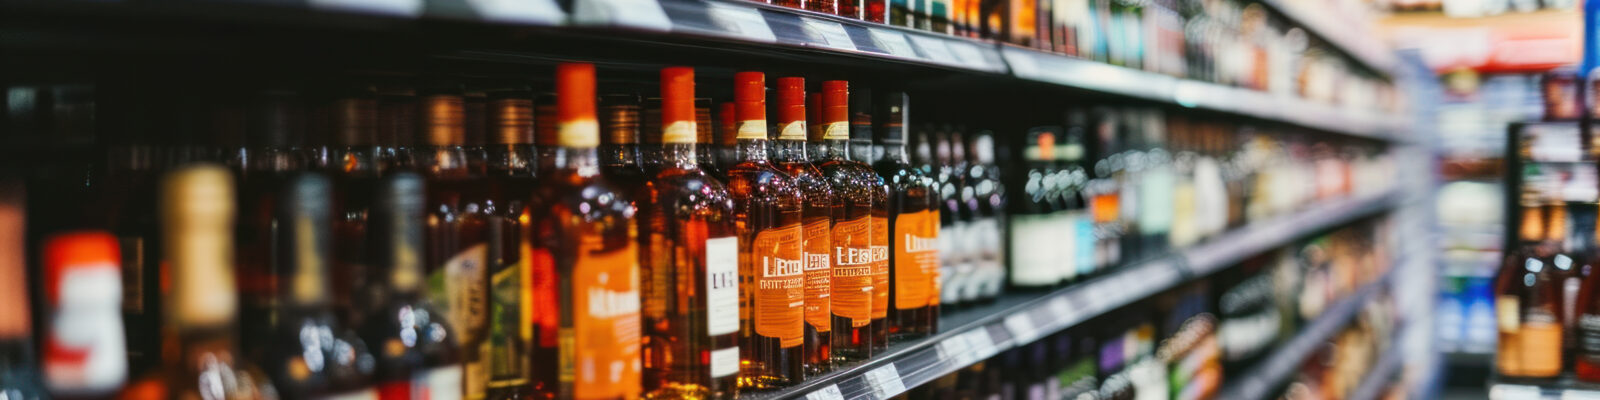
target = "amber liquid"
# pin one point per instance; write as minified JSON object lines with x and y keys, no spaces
{"x":683,"y":207}
{"x":763,"y":199}
{"x":1528,"y":305}
{"x":855,"y":186}
{"x":908,"y":192}
{"x":511,"y":184}
{"x":458,"y":252}
{"x":817,"y":209}
{"x":881,"y":288}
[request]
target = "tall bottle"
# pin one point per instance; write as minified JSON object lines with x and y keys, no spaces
{"x":691,"y":265}
{"x":1031,"y":217}
{"x":1156,"y":183}
{"x":18,"y":372}
{"x":1078,"y":222}
{"x":619,"y":144}
{"x":767,"y":214}
{"x":911,"y":224}
{"x":727,"y":144}
{"x":988,"y":215}
{"x":952,"y":197}
{"x":510,"y":169}
{"x":458,"y":240}
{"x":416,"y":357}
{"x":309,"y":353}
{"x":82,"y":269}
{"x":1528,"y":303}
{"x":1104,"y":191}
{"x":586,"y":229}
{"x":197,"y":208}
{"x":351,"y":118}
{"x":855,"y":186}
{"x":275,"y":125}
{"x":817,"y":208}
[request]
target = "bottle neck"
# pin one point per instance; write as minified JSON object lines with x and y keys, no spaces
{"x":511,"y":159}
{"x":858,"y":150}
{"x":792,"y":151}
{"x":621,"y":154}
{"x":753,"y":150}
{"x":584,"y":161}
{"x":682,"y":155}
{"x":358,"y":160}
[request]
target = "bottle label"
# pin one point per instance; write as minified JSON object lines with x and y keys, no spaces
{"x":456,"y":291}
{"x":933,"y":268}
{"x":1104,"y":208}
{"x":505,"y":325}
{"x":606,"y":327}
{"x":839,"y":130}
{"x":542,"y":292}
{"x":1064,"y":224}
{"x":752,"y":129}
{"x":722,"y":286}
{"x":1155,"y":209}
{"x":817,"y":244}
{"x":795,"y":130}
{"x":880,"y":267}
{"x":780,"y":285}
{"x":852,"y":271}
{"x":77,"y":356}
{"x":916,"y":261}
{"x":1031,"y":267}
{"x":724,"y":362}
{"x":954,"y":273}
{"x":443,"y":382}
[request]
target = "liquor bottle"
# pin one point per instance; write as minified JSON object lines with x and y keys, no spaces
{"x":1126,"y":168}
{"x":274,"y":123}
{"x":458,"y":237}
{"x":911,"y":224}
{"x":1156,"y":183}
{"x":767,"y":214}
{"x":417,"y":357}
{"x":1185,"y":227}
{"x":817,"y":208}
{"x":586,"y":229}
{"x":309,"y":353}
{"x":397,"y":127}
{"x":955,"y":267}
{"x":82,"y":270}
{"x":197,"y":209}
{"x":705,"y":132}
{"x":545,"y":136}
{"x":855,"y":185}
{"x":351,"y":118}
{"x":1528,"y":303}
{"x":127,"y":196}
{"x":650,"y":146}
{"x":510,"y":170}
{"x":1032,"y":226}
{"x":1104,"y":193}
{"x":988,"y":207}
{"x":475,"y":128}
{"x":19,"y":375}
{"x":619,"y":144}
{"x":691,"y":346}
{"x":727,"y":145}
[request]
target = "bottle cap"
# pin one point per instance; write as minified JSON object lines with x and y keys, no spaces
{"x":835,"y":110}
{"x":443,"y":115}
{"x":889,"y":118}
{"x":80,"y":252}
{"x":353,"y":118}
{"x":791,"y":108}
{"x":677,"y":105}
{"x":14,"y":317}
{"x":621,"y":123}
{"x":575,"y":108}
{"x":750,"y":102}
{"x":511,"y":117}
{"x":702,"y":121}
{"x":197,"y":209}
{"x":475,"y":118}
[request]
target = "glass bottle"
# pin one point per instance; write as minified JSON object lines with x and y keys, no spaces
{"x":1528,"y":304}
{"x":351,"y":118}
{"x":197,"y":209}
{"x":309,"y":353}
{"x":988,"y":206}
{"x":397,"y":127}
{"x":83,"y":269}
{"x":855,"y":185}
{"x":1078,"y":222}
{"x":417,"y":356}
{"x":950,"y":187}
{"x":275,"y":125}
{"x":817,"y":208}
{"x":19,"y":375}
{"x":911,"y":224}
{"x":619,"y":144}
{"x":727,"y":145}
{"x":510,"y":170}
{"x":705,"y":132}
{"x":1032,"y":217}
{"x":691,"y":265}
{"x":586,"y":239}
{"x":768,"y":218}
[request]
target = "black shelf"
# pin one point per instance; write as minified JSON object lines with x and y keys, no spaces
{"x":975,"y":333}
{"x":1260,"y":381}
{"x":677,"y":31}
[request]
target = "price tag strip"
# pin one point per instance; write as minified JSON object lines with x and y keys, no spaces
{"x":828,"y":393}
{"x":828,"y":34}
{"x":893,"y":42}
{"x":641,"y":14}
{"x":740,"y":22}
{"x":933,"y":49}
{"x":885,"y":381}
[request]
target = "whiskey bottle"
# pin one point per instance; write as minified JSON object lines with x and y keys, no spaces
{"x":1032,"y":221}
{"x":510,"y":169}
{"x":351,"y":119}
{"x":309,"y":353}
{"x":817,"y":209}
{"x":197,"y":211}
{"x":767,"y":216}
{"x":586,"y":239}
{"x":705,"y":132}
{"x":457,"y":235}
{"x":19,"y":375}
{"x":949,"y":172}
{"x":914,"y":258}
{"x":691,"y":265}
{"x":83,"y":270}
{"x":854,"y":187}
{"x":416,"y":357}
{"x":988,"y":213}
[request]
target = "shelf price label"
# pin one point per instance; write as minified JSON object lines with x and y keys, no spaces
{"x":968,"y":54}
{"x":831,"y":34}
{"x":741,"y":22}
{"x":934,"y":49}
{"x":1021,"y":327}
{"x":893,"y":42}
{"x":980,"y":343}
{"x":1514,"y":392}
{"x":828,"y":393}
{"x":885,"y":381}
{"x":1575,"y":394}
{"x":956,"y":349}
{"x":543,"y":12}
{"x":641,"y":14}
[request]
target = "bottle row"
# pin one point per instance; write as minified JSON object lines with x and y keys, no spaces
{"x":1230,"y":42}
{"x":1544,"y":291}
{"x":509,"y":245}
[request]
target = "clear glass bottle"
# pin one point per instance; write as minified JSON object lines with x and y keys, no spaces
{"x":855,"y":186}
{"x":911,"y":227}
{"x":417,"y":354}
{"x":817,"y":209}
{"x":19,"y":374}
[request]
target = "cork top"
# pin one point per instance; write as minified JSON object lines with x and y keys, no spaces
{"x":750,"y":99}
{"x":835,"y":113}
{"x":677,"y":105}
{"x":14,"y":318}
{"x":443,"y":116}
{"x":511,"y":117}
{"x":791,"y":108}
{"x":619,"y":119}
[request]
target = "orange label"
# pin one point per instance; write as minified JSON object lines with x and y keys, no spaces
{"x":916,"y":260}
{"x":605,"y":331}
{"x":880,"y":267}
{"x":1105,"y":208}
{"x":780,"y":285}
{"x":852,"y":271}
{"x":816,"y":244}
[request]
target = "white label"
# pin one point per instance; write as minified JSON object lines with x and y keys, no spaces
{"x":403,"y":8}
{"x":1060,"y":308}
{"x":968,"y":54}
{"x":1572,"y":394}
{"x":742,"y":22}
{"x":78,"y":357}
{"x":1021,"y":327}
{"x":722,"y":285}
{"x":885,"y":381}
{"x":934,"y":49}
{"x":724,"y":362}
{"x":443,"y":383}
{"x":828,"y":393}
{"x":893,"y":42}
{"x":1030,"y":266}
{"x":832,"y":34}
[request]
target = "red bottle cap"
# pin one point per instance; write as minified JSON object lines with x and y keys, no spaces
{"x":750,"y":99}
{"x":575,"y":108}
{"x":792,"y":108}
{"x":677,"y":105}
